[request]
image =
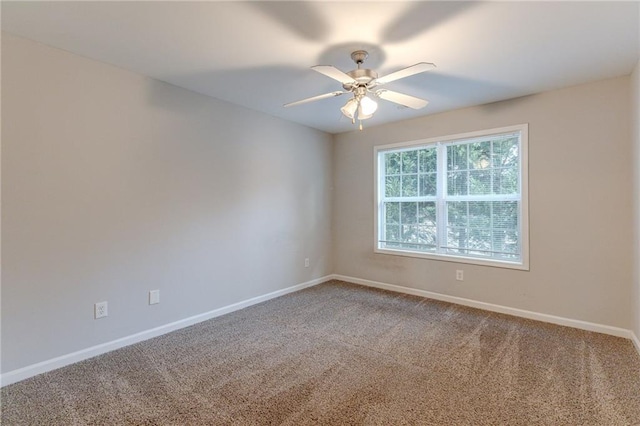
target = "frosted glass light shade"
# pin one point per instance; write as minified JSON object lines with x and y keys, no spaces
{"x":349,"y":109}
{"x":362,"y":115}
{"x":367,"y":107}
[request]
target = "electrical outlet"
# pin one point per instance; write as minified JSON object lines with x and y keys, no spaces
{"x":154,"y":297}
{"x":460,"y":275}
{"x":100,"y":310}
{"x":306,"y":262}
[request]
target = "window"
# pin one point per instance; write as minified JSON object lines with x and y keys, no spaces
{"x":460,"y":198}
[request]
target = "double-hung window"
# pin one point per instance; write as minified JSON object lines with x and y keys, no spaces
{"x":460,"y":198}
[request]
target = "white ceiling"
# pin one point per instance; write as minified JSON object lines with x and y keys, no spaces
{"x":258,"y":54}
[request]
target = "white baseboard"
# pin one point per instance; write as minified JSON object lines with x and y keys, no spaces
{"x":61,"y":361}
{"x":582,"y":325}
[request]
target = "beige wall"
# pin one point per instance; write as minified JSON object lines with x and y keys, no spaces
{"x":114,"y":184}
{"x":635,"y":117}
{"x":580,"y":176}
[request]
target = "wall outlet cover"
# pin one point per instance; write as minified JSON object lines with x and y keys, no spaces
{"x":100,"y":310}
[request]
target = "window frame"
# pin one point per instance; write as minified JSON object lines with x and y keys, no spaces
{"x":523,"y":228}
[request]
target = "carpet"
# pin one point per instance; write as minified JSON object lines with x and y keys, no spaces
{"x":342,"y":354}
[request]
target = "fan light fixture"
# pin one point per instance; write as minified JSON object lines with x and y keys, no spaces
{"x":350,"y":108}
{"x":367,"y":107}
{"x":361,"y":82}
{"x":364,"y":106}
{"x":361,"y":104}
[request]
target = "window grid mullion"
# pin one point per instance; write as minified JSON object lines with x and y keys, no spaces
{"x":509,"y":197}
{"x":429,"y":198}
{"x":491,"y":173}
{"x":441,"y":191}
{"x":418,"y":174}
{"x":468,"y":171}
{"x":467,"y":230}
{"x":491,"y":225}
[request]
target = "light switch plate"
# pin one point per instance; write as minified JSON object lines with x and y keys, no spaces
{"x":154,"y":297}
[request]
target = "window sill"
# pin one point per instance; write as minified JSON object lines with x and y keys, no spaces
{"x":523,"y":266}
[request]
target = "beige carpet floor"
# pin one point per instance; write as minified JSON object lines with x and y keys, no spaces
{"x":341,"y":354}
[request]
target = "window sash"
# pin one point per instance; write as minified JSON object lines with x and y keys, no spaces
{"x":443,"y":225}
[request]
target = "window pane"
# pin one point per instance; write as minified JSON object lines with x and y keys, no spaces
{"x":457,"y":183}
{"x":410,"y":162}
{"x":505,"y":214}
{"x":408,"y":213}
{"x":392,"y":186}
{"x":483,"y":228}
{"x":506,"y":242}
{"x":480,"y":155}
{"x":457,"y":238}
{"x":505,"y":181}
{"x":392,"y":233}
{"x":428,"y":160}
{"x":457,"y":213}
{"x":480,"y":214}
{"x":505,"y":152}
{"x":392,"y":163}
{"x":480,"y":242}
{"x":427,"y":213}
{"x":427,"y":236}
{"x":428,"y":184}
{"x":392,"y":212}
{"x":409,"y":233}
{"x":457,"y":157}
{"x":480,"y":182}
{"x":409,"y":185}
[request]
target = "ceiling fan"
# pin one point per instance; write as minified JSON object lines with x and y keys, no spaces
{"x":363,"y":83}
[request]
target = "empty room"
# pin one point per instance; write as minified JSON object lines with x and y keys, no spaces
{"x":320,"y":213}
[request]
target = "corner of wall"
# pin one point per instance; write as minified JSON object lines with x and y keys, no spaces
{"x":332,"y":230}
{"x":635,"y":117}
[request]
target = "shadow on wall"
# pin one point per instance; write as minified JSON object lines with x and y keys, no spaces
{"x":500,"y":106}
{"x":273,"y":83}
{"x":163,"y":95}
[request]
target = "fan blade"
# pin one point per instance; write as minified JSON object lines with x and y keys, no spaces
{"x":402,"y":99}
{"x":315,"y":98}
{"x":406,"y":72}
{"x":334,"y":73}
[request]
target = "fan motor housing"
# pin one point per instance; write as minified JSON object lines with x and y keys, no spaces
{"x":362,"y":76}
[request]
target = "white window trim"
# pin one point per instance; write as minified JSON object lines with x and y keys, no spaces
{"x":524,"y":201}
